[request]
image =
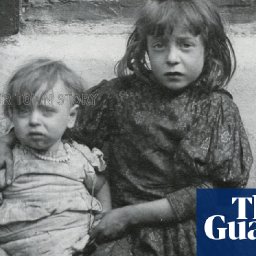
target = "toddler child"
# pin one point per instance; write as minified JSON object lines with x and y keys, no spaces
{"x":49,"y":207}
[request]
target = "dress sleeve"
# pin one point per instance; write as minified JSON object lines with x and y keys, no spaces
{"x":93,"y":163}
{"x":216,"y":150}
{"x":95,"y":120}
{"x":95,"y":157}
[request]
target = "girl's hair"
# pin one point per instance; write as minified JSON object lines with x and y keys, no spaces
{"x":200,"y":17}
{"x":28,"y":79}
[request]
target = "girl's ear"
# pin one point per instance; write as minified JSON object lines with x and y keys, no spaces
{"x":72,"y":116}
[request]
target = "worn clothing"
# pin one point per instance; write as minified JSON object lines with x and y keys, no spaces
{"x":164,"y":144}
{"x":47,"y":210}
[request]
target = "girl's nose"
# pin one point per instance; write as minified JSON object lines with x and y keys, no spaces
{"x":172,"y":57}
{"x":34,"y":118}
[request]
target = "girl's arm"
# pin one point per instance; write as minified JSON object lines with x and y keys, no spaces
{"x":116,"y":222}
{"x":176,"y":207}
{"x":154,"y":212}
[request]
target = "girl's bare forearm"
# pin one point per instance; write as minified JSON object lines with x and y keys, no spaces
{"x":155,"y":212}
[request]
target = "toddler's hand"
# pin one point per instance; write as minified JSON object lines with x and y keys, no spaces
{"x":97,"y":219}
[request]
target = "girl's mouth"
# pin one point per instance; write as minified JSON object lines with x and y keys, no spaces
{"x":173,"y":74}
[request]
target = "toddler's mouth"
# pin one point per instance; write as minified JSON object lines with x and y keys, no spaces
{"x":35,"y":134}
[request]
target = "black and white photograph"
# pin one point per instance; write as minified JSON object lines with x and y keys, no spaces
{"x":117,"y":117}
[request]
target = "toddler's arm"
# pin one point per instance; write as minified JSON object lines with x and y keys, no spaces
{"x":6,"y":143}
{"x":102,"y":192}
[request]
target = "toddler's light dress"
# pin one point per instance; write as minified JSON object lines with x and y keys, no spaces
{"x":47,"y":210}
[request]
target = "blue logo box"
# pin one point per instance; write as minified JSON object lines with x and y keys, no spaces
{"x":226,"y":222}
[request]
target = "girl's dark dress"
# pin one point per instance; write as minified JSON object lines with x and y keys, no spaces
{"x":161,"y":144}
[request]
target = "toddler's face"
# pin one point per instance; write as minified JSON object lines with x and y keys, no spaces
{"x":178,"y":60}
{"x":41,"y":123}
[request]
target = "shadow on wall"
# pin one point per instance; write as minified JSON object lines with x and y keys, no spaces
{"x":9,"y":17}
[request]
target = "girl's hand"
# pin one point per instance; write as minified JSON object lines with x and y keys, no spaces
{"x":113,"y":225}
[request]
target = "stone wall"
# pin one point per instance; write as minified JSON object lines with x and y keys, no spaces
{"x":69,"y":11}
{"x":234,"y":11}
{"x":136,"y":2}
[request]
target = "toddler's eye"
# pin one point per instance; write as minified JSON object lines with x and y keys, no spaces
{"x":23,"y":109}
{"x":47,"y":110}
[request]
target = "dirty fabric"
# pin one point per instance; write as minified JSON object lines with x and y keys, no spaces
{"x":47,"y":210}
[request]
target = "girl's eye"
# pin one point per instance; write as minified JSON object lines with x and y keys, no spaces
{"x":158,"y":45}
{"x":185,"y":45}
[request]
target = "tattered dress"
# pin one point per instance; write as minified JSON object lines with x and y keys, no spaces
{"x":47,"y":210}
{"x":164,"y":144}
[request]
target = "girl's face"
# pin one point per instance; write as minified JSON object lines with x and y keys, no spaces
{"x":178,"y":60}
{"x":41,"y":123}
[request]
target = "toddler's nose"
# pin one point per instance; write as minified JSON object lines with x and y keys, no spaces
{"x":34,"y":119}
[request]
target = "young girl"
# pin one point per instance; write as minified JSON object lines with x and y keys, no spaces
{"x":167,"y":127}
{"x":48,"y":209}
